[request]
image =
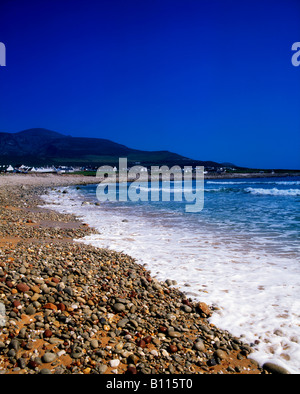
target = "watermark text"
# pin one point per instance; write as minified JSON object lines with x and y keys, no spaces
{"x":296,"y":56}
{"x":161,"y":184}
{"x":2,"y":55}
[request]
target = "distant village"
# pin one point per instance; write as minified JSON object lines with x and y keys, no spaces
{"x":23,"y":169}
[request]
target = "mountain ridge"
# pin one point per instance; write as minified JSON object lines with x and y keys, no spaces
{"x":39,"y":146}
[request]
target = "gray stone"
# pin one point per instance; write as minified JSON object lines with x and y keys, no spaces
{"x":102,"y":368}
{"x":22,"y":270}
{"x":221,"y":354}
{"x":69,"y":291}
{"x":118,"y":307}
{"x":38,"y":360}
{"x":45,"y":289}
{"x":187,"y":308}
{"x":45,"y":371}
{"x":275,"y":369}
{"x":61,"y":286}
{"x":134,"y":323}
{"x":174,"y":334}
{"x":22,"y":362}
{"x":94,"y":343}
{"x":114,"y":363}
{"x":123,"y":322}
{"x":15,"y":344}
{"x":199,"y":345}
{"x":30,"y":310}
{"x":77,"y":354}
{"x":48,"y":357}
{"x":11,"y":353}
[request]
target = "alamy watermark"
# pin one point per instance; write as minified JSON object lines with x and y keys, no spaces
{"x":187,"y":184}
{"x":296,"y":56}
{"x":2,"y":54}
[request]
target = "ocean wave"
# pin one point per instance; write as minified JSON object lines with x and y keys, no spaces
{"x":224,"y":190}
{"x":189,"y":190}
{"x":169,"y":189}
{"x":256,"y":191}
{"x":226,"y":182}
{"x":273,"y":192}
{"x":283,"y":183}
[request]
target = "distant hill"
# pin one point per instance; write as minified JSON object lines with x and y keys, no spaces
{"x":45,"y":147}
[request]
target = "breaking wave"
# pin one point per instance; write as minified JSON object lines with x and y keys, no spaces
{"x":283,"y":183}
{"x":273,"y":192}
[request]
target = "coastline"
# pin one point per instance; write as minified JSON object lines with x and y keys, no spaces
{"x":73,"y":308}
{"x":52,"y":180}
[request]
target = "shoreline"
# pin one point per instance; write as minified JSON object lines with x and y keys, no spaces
{"x":74,"y":308}
{"x":52,"y":180}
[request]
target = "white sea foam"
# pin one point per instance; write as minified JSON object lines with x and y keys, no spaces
{"x":226,"y":182}
{"x":273,"y":192}
{"x":257,"y":291}
{"x":238,"y":182}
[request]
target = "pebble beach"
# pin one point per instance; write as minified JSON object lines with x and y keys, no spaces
{"x":71,"y":308}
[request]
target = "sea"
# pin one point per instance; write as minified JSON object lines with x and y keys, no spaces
{"x":239,"y":254}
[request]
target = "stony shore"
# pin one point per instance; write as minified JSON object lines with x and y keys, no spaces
{"x":71,"y":308}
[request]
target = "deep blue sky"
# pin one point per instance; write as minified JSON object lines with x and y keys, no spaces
{"x":211,"y":80}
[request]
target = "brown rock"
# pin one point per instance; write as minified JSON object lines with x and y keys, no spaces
{"x":173,"y":348}
{"x":61,"y":306}
{"x":32,"y":364}
{"x":16,"y":303}
{"x":141,"y":343}
{"x":148,"y":339}
{"x":131,"y":370}
{"x":162,"y":329}
{"x":133,"y":359}
{"x":35,"y":297}
{"x":187,"y":302}
{"x":204,"y":309}
{"x":48,"y":333}
{"x":22,"y":287}
{"x":51,"y":306}
{"x":35,"y":289}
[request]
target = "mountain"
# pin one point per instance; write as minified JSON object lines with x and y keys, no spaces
{"x":45,"y":147}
